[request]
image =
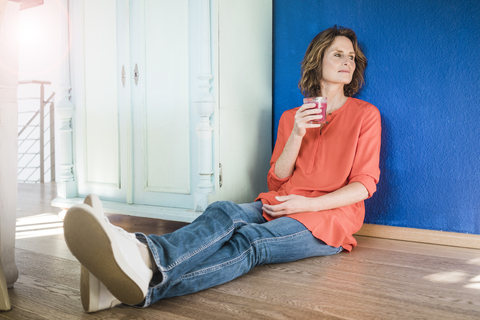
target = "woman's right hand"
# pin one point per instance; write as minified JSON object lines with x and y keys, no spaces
{"x":304,"y":115}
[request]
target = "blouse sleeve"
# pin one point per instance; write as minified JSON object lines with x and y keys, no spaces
{"x":274,"y":182}
{"x":365,"y":167}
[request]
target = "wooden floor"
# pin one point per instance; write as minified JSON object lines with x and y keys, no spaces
{"x":380,"y":279}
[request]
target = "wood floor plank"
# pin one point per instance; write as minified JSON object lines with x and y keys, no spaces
{"x":211,"y":303}
{"x":50,"y":304}
{"x":45,"y":267}
{"x":18,"y":313}
{"x":145,"y":225}
{"x":53,"y":245}
{"x":35,"y":198}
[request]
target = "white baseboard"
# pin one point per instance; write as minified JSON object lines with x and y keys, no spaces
{"x":421,"y":235}
{"x":157,"y":212}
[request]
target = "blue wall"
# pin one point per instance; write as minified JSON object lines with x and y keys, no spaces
{"x":424,"y":76}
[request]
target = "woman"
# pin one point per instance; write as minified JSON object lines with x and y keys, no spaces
{"x":320,"y":174}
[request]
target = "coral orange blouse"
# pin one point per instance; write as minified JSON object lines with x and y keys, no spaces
{"x":346,"y":149}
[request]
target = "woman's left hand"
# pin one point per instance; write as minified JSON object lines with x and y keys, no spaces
{"x":290,"y":204}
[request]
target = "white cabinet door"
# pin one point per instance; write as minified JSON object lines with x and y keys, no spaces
{"x":159,"y":57}
{"x":98,"y":96}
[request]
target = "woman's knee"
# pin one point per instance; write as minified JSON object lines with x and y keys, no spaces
{"x":227,"y":207}
{"x":221,"y":210}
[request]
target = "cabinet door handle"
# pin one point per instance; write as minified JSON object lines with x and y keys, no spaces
{"x":136,"y":74}
{"x":220,"y":175}
{"x":123,"y":76}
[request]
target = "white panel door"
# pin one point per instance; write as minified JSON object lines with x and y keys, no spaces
{"x":159,"y":38}
{"x":98,"y":97}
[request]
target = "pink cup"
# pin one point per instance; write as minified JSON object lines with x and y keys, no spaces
{"x":321,"y":104}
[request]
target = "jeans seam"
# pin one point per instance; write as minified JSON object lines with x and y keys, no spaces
{"x":191,"y":254}
{"x":278,"y":238}
{"x":215,"y":267}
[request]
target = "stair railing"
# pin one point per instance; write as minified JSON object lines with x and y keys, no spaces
{"x":46,"y":123}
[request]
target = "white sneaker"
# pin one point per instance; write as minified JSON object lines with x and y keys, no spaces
{"x":94,"y":295}
{"x":110,"y":253}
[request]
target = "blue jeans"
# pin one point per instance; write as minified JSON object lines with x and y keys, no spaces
{"x":225,"y":242}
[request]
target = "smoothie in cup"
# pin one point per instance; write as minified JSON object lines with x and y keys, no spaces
{"x":321,"y":104}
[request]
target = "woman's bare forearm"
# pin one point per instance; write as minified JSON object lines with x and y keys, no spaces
{"x":347,"y":195}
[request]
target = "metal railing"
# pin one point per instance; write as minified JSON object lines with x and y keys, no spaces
{"x":32,"y":134}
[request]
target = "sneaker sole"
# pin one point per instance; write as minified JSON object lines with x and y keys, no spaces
{"x":91,"y":293}
{"x":87,"y":293}
{"x":90,"y":242}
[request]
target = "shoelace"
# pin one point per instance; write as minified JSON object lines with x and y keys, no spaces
{"x":121,"y":230}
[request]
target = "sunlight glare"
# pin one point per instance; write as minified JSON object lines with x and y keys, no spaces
{"x":475,"y":279}
{"x":474,"y":261}
{"x":41,"y":48}
{"x":472,"y":286}
{"x":38,"y":233}
{"x":29,"y":32}
{"x":39,"y":218}
{"x":61,"y":214}
{"x":45,"y":224}
{"x":447,"y":277}
{"x":475,"y":284}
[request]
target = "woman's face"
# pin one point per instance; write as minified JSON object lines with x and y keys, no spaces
{"x":338,"y":62}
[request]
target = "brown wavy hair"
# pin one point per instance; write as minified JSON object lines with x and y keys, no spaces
{"x":309,"y":83}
